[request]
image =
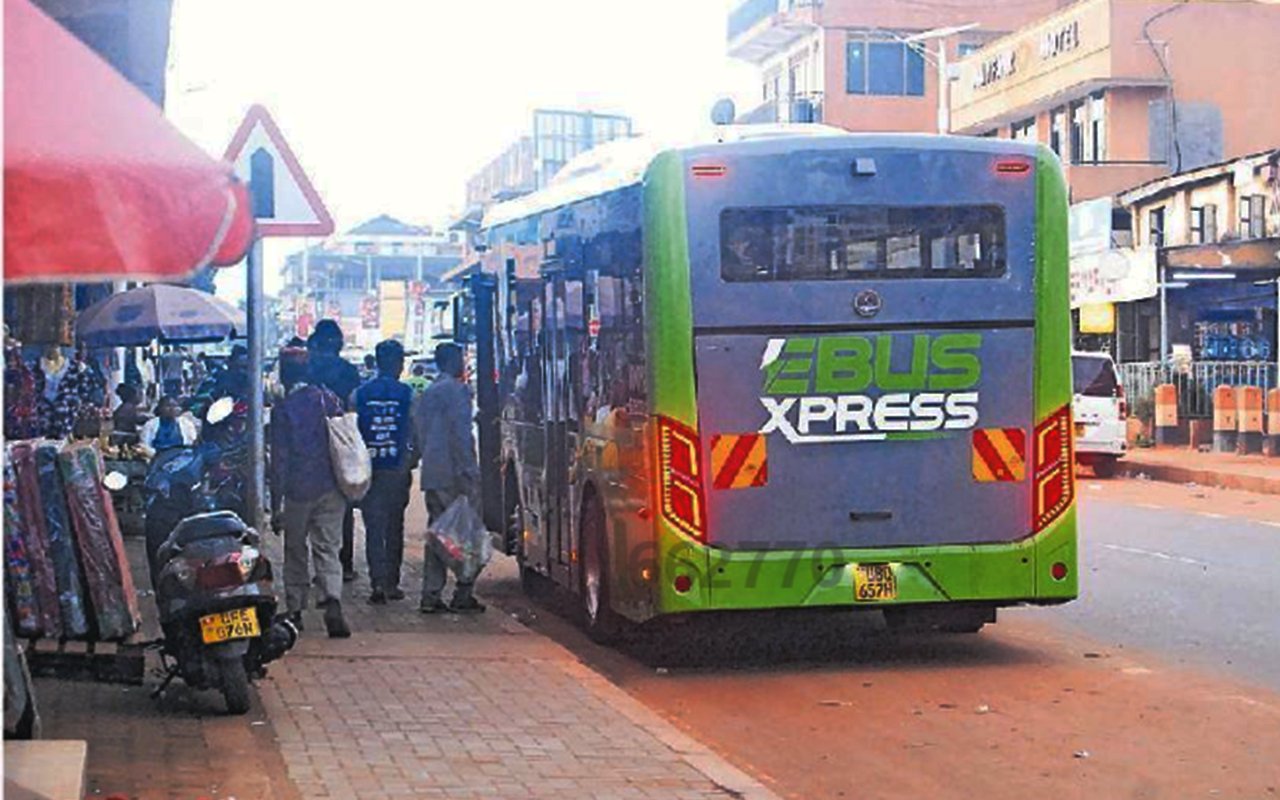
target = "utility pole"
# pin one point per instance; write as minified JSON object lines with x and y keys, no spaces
{"x":257,"y":439}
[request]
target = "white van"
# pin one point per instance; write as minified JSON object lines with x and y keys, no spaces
{"x":1100,"y":412}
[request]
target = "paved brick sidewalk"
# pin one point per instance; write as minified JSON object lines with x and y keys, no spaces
{"x":466,"y":707}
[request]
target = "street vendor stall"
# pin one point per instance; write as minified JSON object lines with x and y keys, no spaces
{"x":98,"y":186}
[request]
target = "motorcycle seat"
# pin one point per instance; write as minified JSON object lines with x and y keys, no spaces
{"x":198,"y":527}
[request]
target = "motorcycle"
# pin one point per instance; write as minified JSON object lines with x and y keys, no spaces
{"x":213,"y":584}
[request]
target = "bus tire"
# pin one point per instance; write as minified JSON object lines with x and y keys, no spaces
{"x":598,"y":617}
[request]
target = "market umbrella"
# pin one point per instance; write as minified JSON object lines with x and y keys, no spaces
{"x":97,"y":183}
{"x":170,"y":314}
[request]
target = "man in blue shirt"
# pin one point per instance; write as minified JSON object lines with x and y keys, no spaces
{"x":382,"y":406}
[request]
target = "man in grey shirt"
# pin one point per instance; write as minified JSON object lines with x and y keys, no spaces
{"x":443,"y":433}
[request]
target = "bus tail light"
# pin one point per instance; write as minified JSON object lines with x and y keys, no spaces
{"x":1013,"y":167}
{"x":1055,"y":481}
{"x":680,"y":477}
{"x":709,"y":170}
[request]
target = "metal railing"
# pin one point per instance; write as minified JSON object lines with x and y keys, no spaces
{"x":1195,"y":382}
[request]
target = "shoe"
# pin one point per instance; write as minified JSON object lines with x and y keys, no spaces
{"x":348,"y":575}
{"x":468,"y":606}
{"x":432,"y":606}
{"x":334,"y":622}
{"x":377,"y":598}
{"x":395,"y":594}
{"x":296,"y":619}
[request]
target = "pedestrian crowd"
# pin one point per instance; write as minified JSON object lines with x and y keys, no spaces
{"x":402,"y":429}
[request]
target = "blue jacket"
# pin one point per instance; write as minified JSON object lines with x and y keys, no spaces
{"x":382,"y":409}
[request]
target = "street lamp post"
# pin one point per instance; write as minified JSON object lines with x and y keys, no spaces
{"x":940,"y":60}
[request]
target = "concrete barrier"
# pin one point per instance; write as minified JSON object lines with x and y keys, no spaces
{"x":1166,"y":418}
{"x":1224,"y":419}
{"x":1249,"y":421}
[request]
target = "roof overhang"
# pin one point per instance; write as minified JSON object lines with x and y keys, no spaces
{"x":1257,"y":256}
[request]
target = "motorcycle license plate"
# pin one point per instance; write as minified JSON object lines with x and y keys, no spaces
{"x":874,"y":582}
{"x":239,"y":624}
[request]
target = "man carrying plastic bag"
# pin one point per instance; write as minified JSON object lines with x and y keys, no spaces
{"x":457,"y":540}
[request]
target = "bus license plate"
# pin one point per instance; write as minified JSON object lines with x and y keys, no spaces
{"x":239,"y":624}
{"x":874,"y":582}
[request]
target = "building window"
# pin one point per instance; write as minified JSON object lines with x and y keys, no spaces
{"x":1023,"y":130}
{"x":1057,"y":130}
{"x":1097,"y":151}
{"x":1204,"y":224}
{"x":1155,"y":227}
{"x":1078,"y":127}
{"x":967,"y":48}
{"x":1253,"y":216}
{"x":883,"y":68}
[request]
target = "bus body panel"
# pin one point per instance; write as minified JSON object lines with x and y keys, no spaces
{"x":853,"y":464}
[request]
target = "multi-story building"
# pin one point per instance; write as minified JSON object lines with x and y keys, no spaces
{"x":863,"y":65}
{"x":1127,"y":91}
{"x":382,"y":279}
{"x":532,"y":161}
{"x":1216,"y":230}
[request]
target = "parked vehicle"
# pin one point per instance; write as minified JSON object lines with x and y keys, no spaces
{"x":217,"y":606}
{"x":213,"y":584}
{"x":1100,"y":411}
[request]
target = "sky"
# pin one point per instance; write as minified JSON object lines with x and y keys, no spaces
{"x":390,"y":105}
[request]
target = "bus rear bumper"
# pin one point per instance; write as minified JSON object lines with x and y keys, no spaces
{"x":1039,"y":570}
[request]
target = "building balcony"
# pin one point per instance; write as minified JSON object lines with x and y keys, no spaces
{"x":806,"y":107}
{"x":760,"y":28}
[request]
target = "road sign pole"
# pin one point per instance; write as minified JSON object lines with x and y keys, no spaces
{"x":257,"y":438}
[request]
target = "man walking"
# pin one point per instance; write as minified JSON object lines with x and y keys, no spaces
{"x":330,"y":370}
{"x":306,"y":501}
{"x":383,"y":406}
{"x":450,"y":469}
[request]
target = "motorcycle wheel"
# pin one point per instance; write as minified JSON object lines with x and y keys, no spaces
{"x":235,"y":685}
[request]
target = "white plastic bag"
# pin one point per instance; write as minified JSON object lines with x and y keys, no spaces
{"x":352,"y":466}
{"x":461,"y":540}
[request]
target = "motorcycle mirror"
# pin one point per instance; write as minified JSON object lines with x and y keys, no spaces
{"x":115,"y":481}
{"x":220,"y":410}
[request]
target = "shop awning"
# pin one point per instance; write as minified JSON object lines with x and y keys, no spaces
{"x":97,"y":183}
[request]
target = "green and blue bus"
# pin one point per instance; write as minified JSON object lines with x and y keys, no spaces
{"x":789,"y":368}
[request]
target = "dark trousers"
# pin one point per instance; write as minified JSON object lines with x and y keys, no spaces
{"x":383,"y":512}
{"x":348,"y":552}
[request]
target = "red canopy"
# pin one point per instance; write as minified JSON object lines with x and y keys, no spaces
{"x":97,"y":183}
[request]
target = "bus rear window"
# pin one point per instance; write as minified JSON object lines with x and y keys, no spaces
{"x":808,"y":243}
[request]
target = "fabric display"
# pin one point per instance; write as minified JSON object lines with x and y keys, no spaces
{"x":97,"y":533}
{"x":62,"y":546}
{"x":30,"y":515}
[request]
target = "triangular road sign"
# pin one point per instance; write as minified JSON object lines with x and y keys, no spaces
{"x":284,"y":201}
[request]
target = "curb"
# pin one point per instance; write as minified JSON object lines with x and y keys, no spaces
{"x":733,"y":781}
{"x":1130,"y":467}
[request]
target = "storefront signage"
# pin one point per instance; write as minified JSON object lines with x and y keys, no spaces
{"x":1113,"y":276}
{"x":1057,"y":41}
{"x":996,"y":68}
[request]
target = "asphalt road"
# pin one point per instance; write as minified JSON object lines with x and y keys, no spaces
{"x":1182,"y":575}
{"x":1161,"y":681}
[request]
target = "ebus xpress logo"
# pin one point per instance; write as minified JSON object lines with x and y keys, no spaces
{"x":871,"y":388}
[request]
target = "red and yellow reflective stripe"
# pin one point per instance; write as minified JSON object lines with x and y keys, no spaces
{"x":739,"y":461}
{"x":999,"y":455}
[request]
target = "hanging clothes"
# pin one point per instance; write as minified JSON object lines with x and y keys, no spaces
{"x":21,"y":411}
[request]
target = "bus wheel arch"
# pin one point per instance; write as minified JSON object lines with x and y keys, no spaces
{"x":602,"y":623}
